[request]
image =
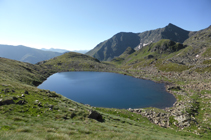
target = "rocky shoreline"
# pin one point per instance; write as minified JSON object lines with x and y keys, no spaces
{"x":183,"y":112}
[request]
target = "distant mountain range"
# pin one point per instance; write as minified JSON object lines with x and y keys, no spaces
{"x":64,"y":51}
{"x":26,"y":54}
{"x":116,"y":45}
{"x":55,"y":50}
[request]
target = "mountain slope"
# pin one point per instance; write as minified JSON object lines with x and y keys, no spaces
{"x":162,"y":49}
{"x":26,"y":54}
{"x":72,"y":61}
{"x":116,"y":45}
{"x":198,"y":51}
{"x":31,"y":113}
{"x":13,"y":71}
{"x":171,"y":32}
{"x":124,"y":55}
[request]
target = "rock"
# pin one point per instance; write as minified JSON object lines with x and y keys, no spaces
{"x":52,"y":94}
{"x":73,"y":115}
{"x":182,"y":120}
{"x":130,"y":109}
{"x":174,"y":88}
{"x":15,"y":98}
{"x":40,"y":104}
{"x":71,"y":109}
{"x":6,"y":90}
{"x":150,"y":56}
{"x":6,"y":102}
{"x":26,"y":92}
{"x":21,"y":102}
{"x":36,"y":101}
{"x":88,"y":105}
{"x":95,"y":115}
{"x":51,"y":106}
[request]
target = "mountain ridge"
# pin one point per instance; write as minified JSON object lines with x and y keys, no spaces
{"x":27,"y":111}
{"x":105,"y":51}
{"x":26,"y":54}
{"x":64,"y":51}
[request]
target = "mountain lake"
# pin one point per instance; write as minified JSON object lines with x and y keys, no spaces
{"x":110,"y":90}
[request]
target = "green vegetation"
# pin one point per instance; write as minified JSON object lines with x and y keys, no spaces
{"x":75,"y":62}
{"x":207,"y":53}
{"x":207,"y":62}
{"x":172,"y":67}
{"x":31,"y":113}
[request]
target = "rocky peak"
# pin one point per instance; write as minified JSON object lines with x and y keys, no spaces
{"x":172,"y":27}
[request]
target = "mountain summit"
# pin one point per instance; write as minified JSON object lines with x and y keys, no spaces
{"x":116,"y":45}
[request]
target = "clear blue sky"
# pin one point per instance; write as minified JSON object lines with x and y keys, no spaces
{"x":82,"y":24}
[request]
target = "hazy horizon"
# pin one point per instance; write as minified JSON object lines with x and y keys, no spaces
{"x":81,"y":24}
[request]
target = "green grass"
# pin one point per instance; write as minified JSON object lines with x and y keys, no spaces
{"x":47,"y":115}
{"x":203,"y":69}
{"x":172,"y":67}
{"x":207,"y":61}
{"x":207,"y":53}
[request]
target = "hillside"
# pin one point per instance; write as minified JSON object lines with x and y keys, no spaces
{"x":155,"y":51}
{"x":185,"y":68}
{"x":72,"y":61}
{"x":26,"y":54}
{"x":31,"y":113}
{"x":115,"y":46}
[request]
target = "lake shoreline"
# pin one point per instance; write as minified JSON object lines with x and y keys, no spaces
{"x":165,"y":87}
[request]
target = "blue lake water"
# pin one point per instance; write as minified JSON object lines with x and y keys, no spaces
{"x":103,"y":89}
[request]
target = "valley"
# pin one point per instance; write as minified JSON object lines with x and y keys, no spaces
{"x":183,"y":65}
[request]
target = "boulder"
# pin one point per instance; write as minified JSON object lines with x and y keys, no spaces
{"x":6,"y":102}
{"x":26,"y":92}
{"x":150,"y":56}
{"x":95,"y":115}
{"x":21,"y":102}
{"x":174,"y":88}
{"x":6,"y":90}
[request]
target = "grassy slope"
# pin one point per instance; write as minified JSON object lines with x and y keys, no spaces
{"x":160,"y":52}
{"x":178,"y":68}
{"x":75,"y":62}
{"x":41,"y":114}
